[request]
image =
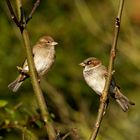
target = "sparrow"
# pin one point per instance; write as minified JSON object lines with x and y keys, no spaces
{"x":44,"y":57}
{"x":95,"y":75}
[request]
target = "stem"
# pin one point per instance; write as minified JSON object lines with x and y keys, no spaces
{"x":36,"y":4}
{"x":104,"y":97}
{"x":18,"y":5}
{"x":13,"y":16}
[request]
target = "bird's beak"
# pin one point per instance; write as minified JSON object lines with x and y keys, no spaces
{"x":82,"y":64}
{"x":54,"y":43}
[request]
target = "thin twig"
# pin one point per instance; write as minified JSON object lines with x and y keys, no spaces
{"x":20,"y":15}
{"x":36,"y":4}
{"x":18,"y":5}
{"x":66,"y":135}
{"x":13,"y":16}
{"x":104,"y":97}
{"x":26,"y":134}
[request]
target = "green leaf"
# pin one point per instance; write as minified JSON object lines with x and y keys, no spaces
{"x":3,"y":103}
{"x":39,"y":123}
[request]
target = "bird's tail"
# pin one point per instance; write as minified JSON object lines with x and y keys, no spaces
{"x":122,"y":100}
{"x":15,"y":85}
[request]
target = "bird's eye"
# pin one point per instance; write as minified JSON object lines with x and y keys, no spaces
{"x":89,"y":62}
{"x":48,"y":41}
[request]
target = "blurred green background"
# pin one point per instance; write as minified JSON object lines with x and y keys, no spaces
{"x":82,"y":29}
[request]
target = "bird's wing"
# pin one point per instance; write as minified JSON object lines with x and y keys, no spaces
{"x":25,"y":64}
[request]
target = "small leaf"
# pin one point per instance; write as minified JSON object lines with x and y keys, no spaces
{"x":3,"y":103}
{"x":39,"y":123}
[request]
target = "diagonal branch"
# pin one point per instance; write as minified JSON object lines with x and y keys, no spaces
{"x":13,"y":16}
{"x":36,"y":4}
{"x":104,"y":97}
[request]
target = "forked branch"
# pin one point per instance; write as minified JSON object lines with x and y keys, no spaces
{"x":33,"y":75}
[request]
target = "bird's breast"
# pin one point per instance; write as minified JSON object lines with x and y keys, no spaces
{"x":95,"y":80}
{"x":44,"y":62}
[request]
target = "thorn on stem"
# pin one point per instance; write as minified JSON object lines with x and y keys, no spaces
{"x":117,"y":22}
{"x":97,"y":125}
{"x":113,"y":53}
{"x":12,"y":17}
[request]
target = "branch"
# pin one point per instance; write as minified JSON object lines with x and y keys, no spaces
{"x":20,"y":13}
{"x":104,"y":97}
{"x":26,"y":134}
{"x":33,"y":75}
{"x":13,"y":16}
{"x":36,"y":4}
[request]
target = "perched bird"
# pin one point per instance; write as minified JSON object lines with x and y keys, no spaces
{"x":43,"y":55}
{"x":95,"y":74}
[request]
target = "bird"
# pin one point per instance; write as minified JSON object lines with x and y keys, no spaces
{"x":43,"y":56}
{"x":95,"y":75}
